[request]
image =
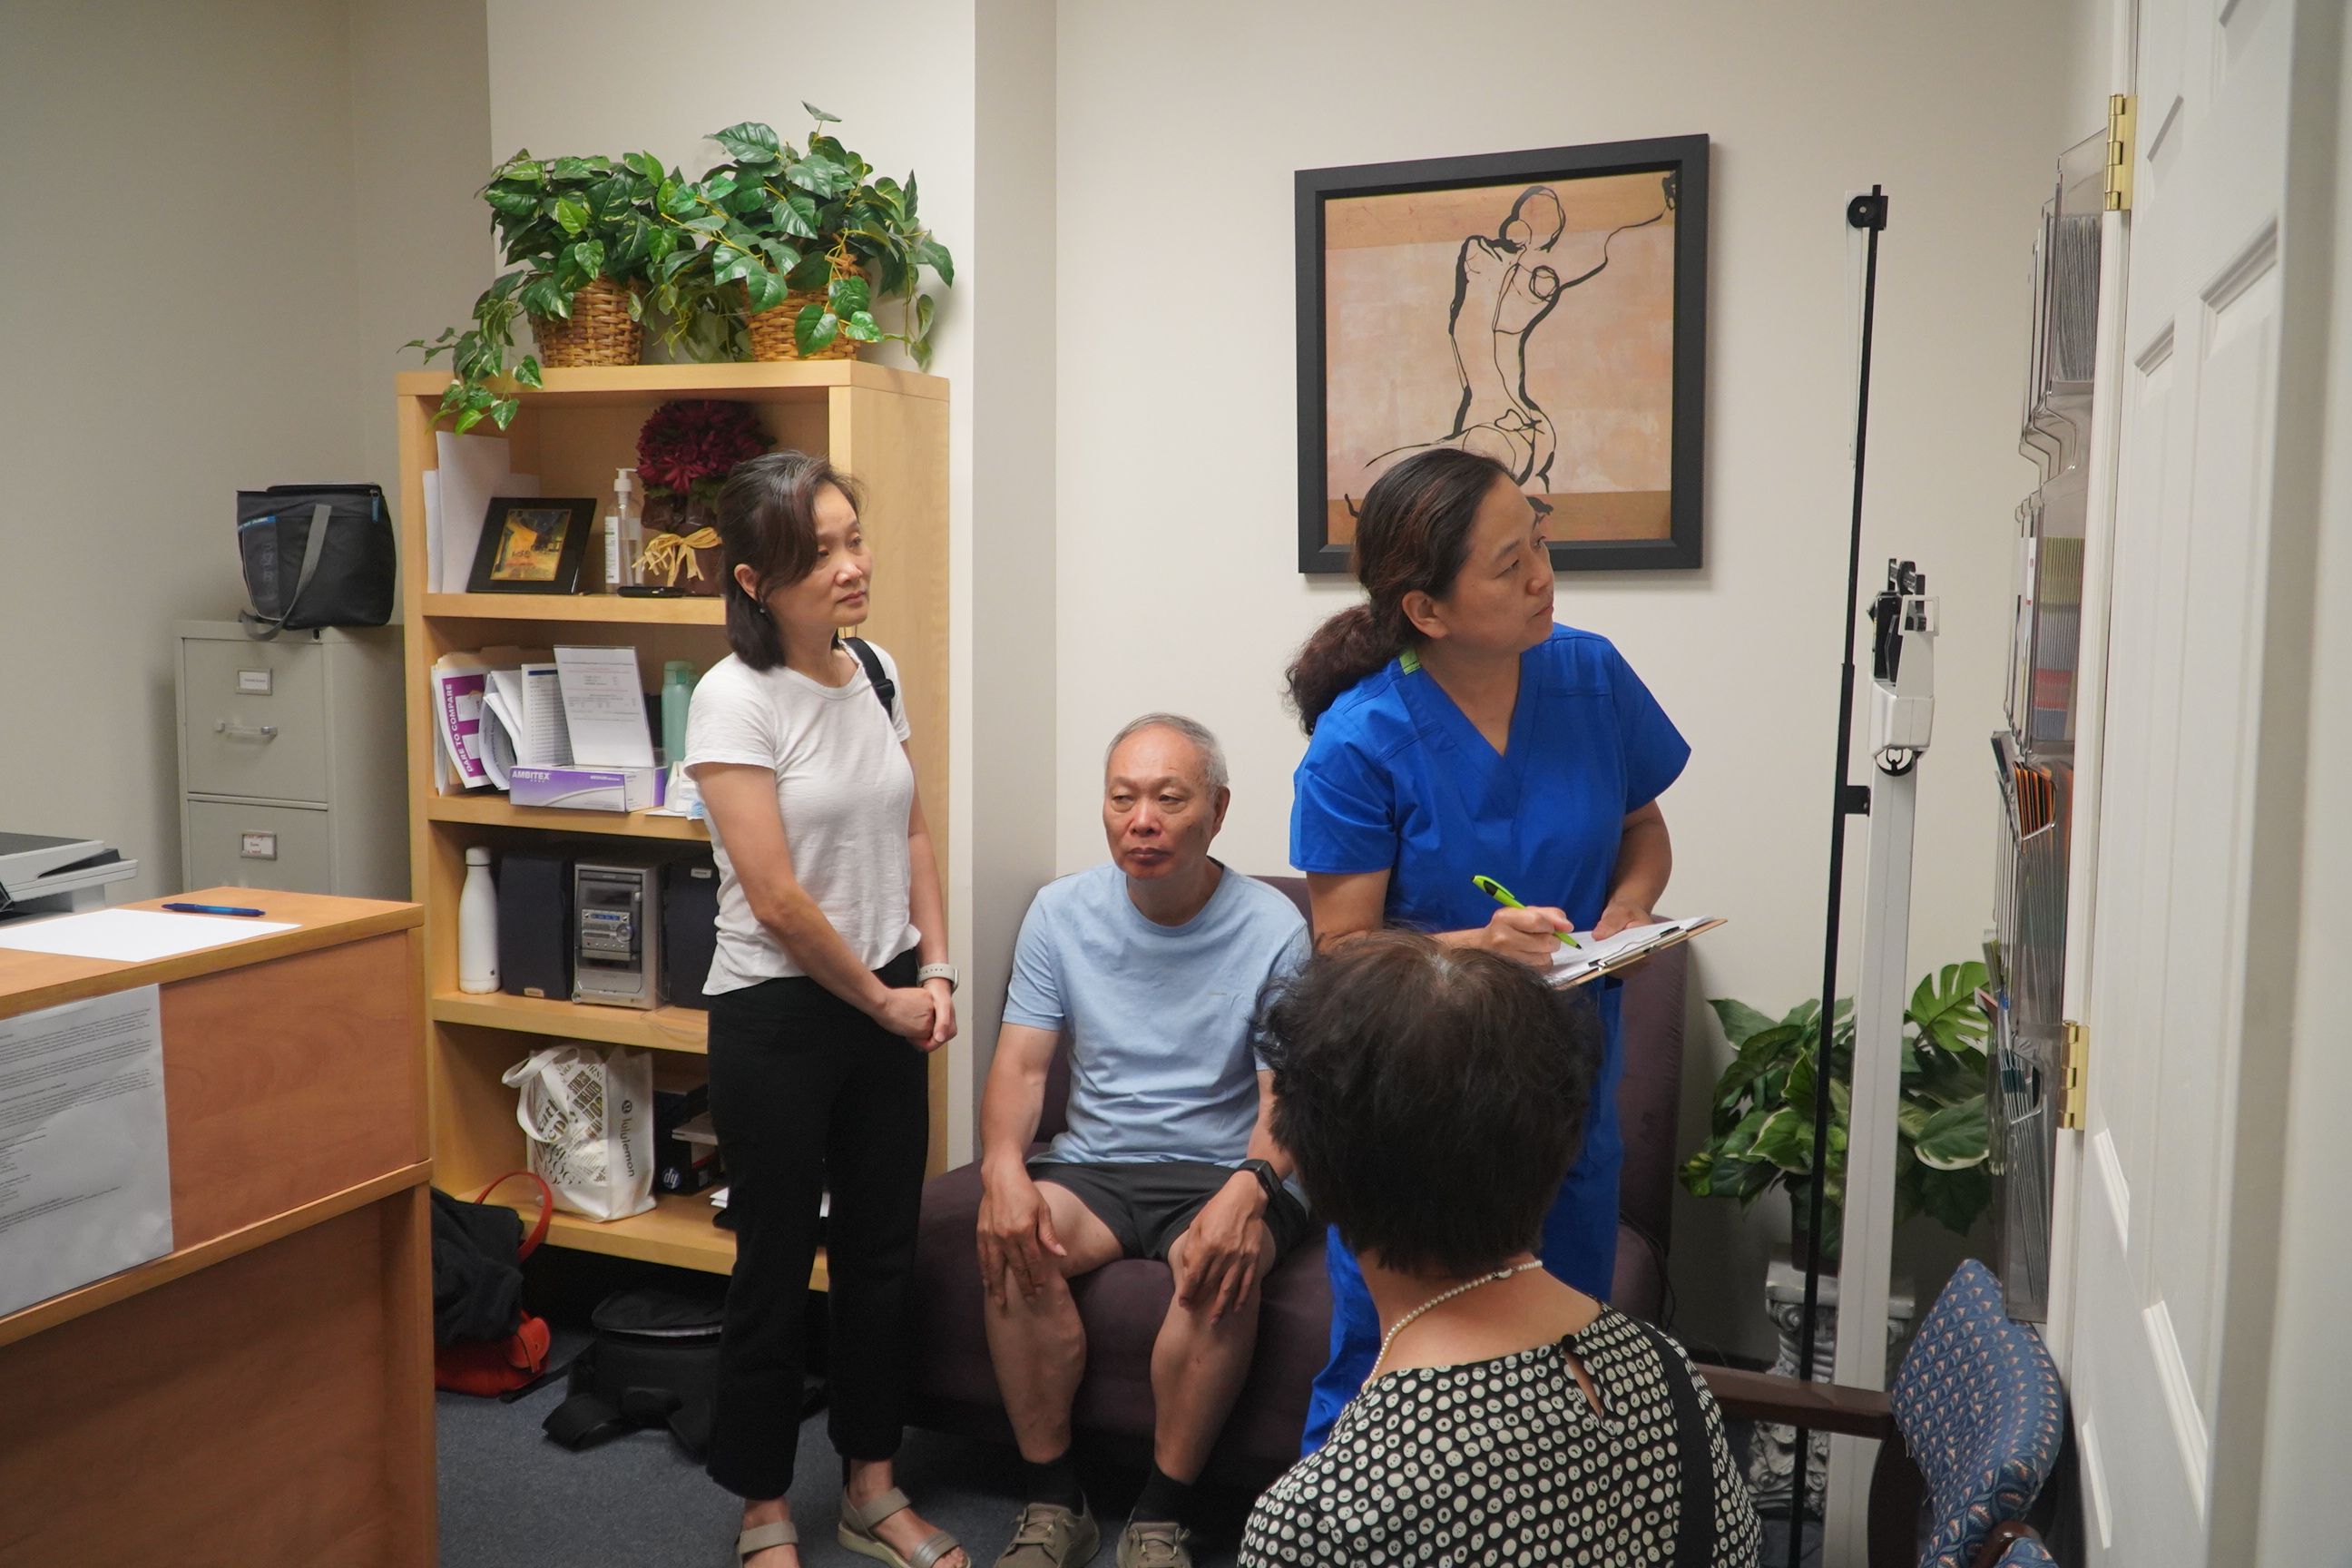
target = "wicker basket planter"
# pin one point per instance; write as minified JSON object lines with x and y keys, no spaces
{"x":772,"y":335}
{"x":600,"y":330}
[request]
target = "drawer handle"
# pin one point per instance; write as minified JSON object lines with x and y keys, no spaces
{"x":244,"y":731}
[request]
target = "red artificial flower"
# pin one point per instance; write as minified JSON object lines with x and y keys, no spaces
{"x":695,"y":442}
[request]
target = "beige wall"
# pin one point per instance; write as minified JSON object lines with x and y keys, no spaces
{"x":221,"y":224}
{"x":923,"y":85}
{"x":1006,"y":561}
{"x":1181,"y":126}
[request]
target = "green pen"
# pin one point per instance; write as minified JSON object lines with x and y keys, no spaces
{"x":1502,"y":895}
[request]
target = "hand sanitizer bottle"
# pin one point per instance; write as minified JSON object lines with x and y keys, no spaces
{"x":631,"y":522}
{"x":477,"y":926}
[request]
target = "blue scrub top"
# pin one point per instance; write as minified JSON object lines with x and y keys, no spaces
{"x":1397,"y":779}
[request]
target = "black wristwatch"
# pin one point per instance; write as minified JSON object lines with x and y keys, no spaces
{"x":1266,"y":1178}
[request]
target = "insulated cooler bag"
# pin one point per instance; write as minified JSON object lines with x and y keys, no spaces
{"x":315,"y":555}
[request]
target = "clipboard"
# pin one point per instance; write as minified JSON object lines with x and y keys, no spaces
{"x":1570,"y":971}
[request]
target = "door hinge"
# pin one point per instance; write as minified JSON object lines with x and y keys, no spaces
{"x":2120,"y":135}
{"x":2074,"y":1072}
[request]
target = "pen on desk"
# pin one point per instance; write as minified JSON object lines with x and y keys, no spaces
{"x":210,"y":909}
{"x":1502,"y":895}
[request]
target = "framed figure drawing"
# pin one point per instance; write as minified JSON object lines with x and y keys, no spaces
{"x":1546,"y":308}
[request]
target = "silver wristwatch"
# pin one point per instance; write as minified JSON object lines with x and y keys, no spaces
{"x":946,"y":972}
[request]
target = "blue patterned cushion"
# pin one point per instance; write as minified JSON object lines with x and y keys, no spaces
{"x":1979,"y":1404}
{"x":2026,"y":1553}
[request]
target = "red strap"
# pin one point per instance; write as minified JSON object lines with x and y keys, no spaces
{"x":546,"y":1208}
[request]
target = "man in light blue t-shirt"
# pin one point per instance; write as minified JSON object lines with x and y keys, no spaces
{"x":1151,"y":965}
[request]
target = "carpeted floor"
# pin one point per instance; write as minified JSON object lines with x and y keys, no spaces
{"x":512,"y":1499}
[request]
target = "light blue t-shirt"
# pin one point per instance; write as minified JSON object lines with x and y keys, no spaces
{"x":1161,"y":1062}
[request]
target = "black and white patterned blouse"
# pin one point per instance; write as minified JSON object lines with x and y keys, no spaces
{"x":1503,"y":1462}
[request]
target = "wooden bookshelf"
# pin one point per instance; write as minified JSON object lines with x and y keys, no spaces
{"x":889,"y":428}
{"x":587,"y":609}
{"x":494,"y":810}
{"x":678,"y":1231}
{"x":656,"y":1029}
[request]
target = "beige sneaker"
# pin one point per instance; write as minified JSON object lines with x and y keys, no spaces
{"x":1046,"y":1536}
{"x":1154,"y":1545}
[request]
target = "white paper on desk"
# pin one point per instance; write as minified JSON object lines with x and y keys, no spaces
{"x":1571,"y":964}
{"x":85,"y":1172}
{"x":473,"y":471}
{"x":131,"y":936}
{"x":605,"y":707}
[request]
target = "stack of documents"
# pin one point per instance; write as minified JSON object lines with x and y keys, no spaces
{"x":495,"y":709}
{"x":565,"y":729}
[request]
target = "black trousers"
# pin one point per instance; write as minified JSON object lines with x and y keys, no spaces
{"x":807,"y":1092}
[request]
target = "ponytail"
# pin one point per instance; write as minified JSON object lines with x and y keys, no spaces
{"x":1343,"y":650}
{"x":1410,"y":537}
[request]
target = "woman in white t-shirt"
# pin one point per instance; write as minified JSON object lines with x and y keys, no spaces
{"x":829,"y":985}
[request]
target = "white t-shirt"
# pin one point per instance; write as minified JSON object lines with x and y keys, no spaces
{"x":844,"y":788}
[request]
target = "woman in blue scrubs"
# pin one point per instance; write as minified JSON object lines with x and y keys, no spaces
{"x":1456,"y":732}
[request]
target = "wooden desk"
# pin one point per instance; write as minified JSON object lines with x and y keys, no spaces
{"x":264,"y":1393}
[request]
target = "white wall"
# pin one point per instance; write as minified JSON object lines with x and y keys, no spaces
{"x":218,"y":241}
{"x":1179,"y":131}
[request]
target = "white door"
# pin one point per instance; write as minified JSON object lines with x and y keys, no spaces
{"x":2149,"y":1256}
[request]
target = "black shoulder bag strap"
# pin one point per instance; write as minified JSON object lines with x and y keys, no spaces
{"x":886,"y":690}
{"x":1694,"y":1520}
{"x":262,"y":628}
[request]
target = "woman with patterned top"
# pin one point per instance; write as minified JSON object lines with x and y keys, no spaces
{"x":1433,"y":1098}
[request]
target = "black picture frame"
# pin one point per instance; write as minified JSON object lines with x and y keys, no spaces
{"x":504,"y":524}
{"x":1682,"y":161}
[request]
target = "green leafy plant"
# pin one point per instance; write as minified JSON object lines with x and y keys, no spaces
{"x":560,"y":223}
{"x":1762,"y":1127}
{"x":775,"y":219}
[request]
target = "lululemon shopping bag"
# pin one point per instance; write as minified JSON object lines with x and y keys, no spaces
{"x":588,"y":1115}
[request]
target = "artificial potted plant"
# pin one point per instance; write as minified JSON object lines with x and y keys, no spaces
{"x":1762,"y":1127}
{"x":686,"y":449}
{"x":806,"y":242}
{"x":580,"y":236}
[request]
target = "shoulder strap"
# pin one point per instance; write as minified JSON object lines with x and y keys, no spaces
{"x":262,"y":628}
{"x":885,"y":689}
{"x":1694,"y":1520}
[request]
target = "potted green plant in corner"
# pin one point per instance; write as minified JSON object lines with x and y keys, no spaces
{"x":1761,"y":1124}
{"x":805,"y":243}
{"x":580,"y":237}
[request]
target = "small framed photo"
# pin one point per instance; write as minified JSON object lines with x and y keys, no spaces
{"x":532,"y":544}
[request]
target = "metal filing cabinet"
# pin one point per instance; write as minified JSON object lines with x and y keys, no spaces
{"x":291,"y":767}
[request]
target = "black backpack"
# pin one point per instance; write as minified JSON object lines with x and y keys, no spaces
{"x":653,"y":1363}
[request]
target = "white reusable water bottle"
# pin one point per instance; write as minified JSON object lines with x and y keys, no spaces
{"x":477,"y":926}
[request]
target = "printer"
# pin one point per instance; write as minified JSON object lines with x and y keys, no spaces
{"x":42,"y":876}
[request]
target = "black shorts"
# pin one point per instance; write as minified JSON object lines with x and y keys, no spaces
{"x":1147,"y":1205}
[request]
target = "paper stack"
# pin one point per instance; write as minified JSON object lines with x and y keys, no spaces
{"x":561,"y":729}
{"x":497,"y":709}
{"x":1593,"y":958}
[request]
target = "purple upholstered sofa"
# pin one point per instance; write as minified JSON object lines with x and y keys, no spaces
{"x":955,"y":1385}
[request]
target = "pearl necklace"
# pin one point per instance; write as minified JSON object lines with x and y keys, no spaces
{"x":1439,"y":1300}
